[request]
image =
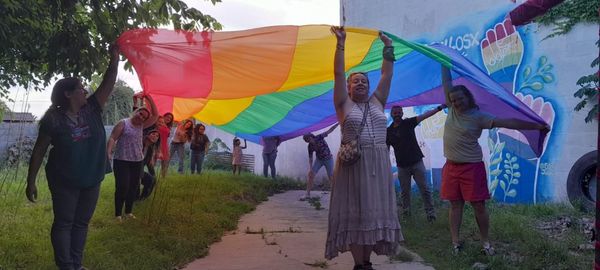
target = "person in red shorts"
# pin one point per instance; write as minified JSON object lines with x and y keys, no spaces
{"x":463,"y":176}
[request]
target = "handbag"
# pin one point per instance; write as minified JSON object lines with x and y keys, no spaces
{"x":350,"y":152}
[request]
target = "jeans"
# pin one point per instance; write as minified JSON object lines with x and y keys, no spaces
{"x":417,"y":171}
{"x":196,"y":161}
{"x":127,"y":184}
{"x":179,"y":149}
{"x":73,"y":208}
{"x":269,"y":161}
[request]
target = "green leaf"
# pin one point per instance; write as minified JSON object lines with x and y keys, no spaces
{"x":536,"y":86}
{"x":506,"y":166}
{"x":494,"y":184}
{"x":526,"y":72}
{"x":495,"y":172}
{"x":547,"y":68}
{"x":517,"y":174}
{"x":501,"y":146}
{"x":515,"y":166}
{"x":502,"y":185}
{"x":542,"y":61}
{"x":508,"y":171}
{"x":491,"y":145}
{"x":548,"y":78}
{"x":506,"y":176}
{"x":513,"y":159}
{"x":507,"y":155}
{"x":496,"y":161}
{"x":512,"y":193}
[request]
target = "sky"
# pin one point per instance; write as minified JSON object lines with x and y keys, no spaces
{"x":232,"y":14}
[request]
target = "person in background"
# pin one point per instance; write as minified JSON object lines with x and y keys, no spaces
{"x":409,"y":158}
{"x":77,"y":161}
{"x":269,"y":154}
{"x":127,"y":141}
{"x":363,"y":214}
{"x":236,"y":156}
{"x":151,"y":147}
{"x":199,"y":146}
{"x":463,"y":176}
{"x":163,"y":149}
{"x":182,"y":136}
{"x":318,"y":145}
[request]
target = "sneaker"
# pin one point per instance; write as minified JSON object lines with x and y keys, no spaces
{"x":130,"y":215}
{"x":119,"y":219}
{"x":488,"y":250}
{"x":456,"y":248}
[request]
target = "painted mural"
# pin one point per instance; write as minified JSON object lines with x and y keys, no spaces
{"x":509,"y":56}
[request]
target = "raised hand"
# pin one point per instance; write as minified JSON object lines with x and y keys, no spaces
{"x":385,"y":39}
{"x":502,"y":51}
{"x":339,"y":32}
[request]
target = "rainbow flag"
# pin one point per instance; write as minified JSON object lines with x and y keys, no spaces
{"x":278,"y":80}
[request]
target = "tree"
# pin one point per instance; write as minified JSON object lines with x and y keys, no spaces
{"x":564,"y":17}
{"x":3,"y":109}
{"x":42,"y":39}
{"x":588,"y":91}
{"x":119,"y":104}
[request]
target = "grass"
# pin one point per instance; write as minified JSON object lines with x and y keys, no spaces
{"x":515,"y":234}
{"x":174,"y":226}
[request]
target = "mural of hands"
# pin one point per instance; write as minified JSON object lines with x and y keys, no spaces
{"x":542,"y":108}
{"x":502,"y":51}
{"x":512,"y":159}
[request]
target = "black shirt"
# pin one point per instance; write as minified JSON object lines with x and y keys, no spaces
{"x":404,"y":141}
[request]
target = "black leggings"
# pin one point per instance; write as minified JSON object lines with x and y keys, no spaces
{"x":127,"y":184}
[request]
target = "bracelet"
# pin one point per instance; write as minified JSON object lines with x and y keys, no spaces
{"x":388,"y":53}
{"x":339,"y":47}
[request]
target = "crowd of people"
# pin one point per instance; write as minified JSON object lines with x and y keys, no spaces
{"x":363,"y":212}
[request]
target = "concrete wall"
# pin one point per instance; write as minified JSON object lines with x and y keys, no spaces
{"x":544,"y":76}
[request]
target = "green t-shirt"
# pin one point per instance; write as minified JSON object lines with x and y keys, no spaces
{"x":78,"y":154}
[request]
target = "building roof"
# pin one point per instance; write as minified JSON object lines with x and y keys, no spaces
{"x":18,"y":117}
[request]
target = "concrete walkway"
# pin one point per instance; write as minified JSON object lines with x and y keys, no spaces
{"x":285,"y":233}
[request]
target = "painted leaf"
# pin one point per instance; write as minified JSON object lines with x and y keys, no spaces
{"x":495,"y":172}
{"x":537,"y":86}
{"x":494,"y":184}
{"x":507,"y":171}
{"x":513,"y":159}
{"x":496,"y":161}
{"x":517,"y":174}
{"x":502,"y":185}
{"x":506,"y":166}
{"x":515,"y":166}
{"x":548,"y":78}
{"x":542,"y":61}
{"x":512,"y":193}
{"x":527,"y":72}
{"x":515,"y":181}
{"x":501,"y":146}
{"x":506,"y":176}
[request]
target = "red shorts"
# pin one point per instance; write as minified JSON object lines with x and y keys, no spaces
{"x":464,"y":182}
